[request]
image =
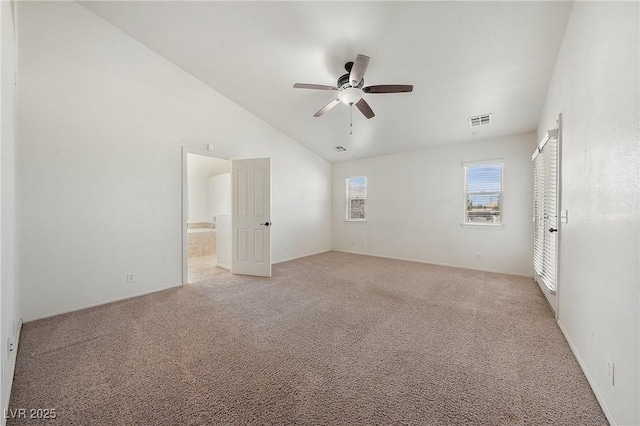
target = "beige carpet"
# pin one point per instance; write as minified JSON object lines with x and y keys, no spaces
{"x":330,"y":339}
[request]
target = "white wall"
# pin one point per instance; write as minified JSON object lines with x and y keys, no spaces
{"x":10,"y":220}
{"x":415,"y":205}
{"x":200,"y":172}
{"x":219,"y":195}
{"x":199,"y":200}
{"x":102,"y":122}
{"x":595,"y":87}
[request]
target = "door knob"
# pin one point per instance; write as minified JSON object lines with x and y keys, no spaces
{"x":553,"y":230}
{"x":266,"y":224}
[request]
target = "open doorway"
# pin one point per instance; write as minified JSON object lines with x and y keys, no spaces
{"x":208,"y":220}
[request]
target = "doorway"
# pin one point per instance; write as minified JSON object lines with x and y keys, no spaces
{"x":546,"y":188}
{"x":208,"y":220}
{"x":237,"y":211}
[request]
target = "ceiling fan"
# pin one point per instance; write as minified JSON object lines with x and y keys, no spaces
{"x":350,"y":90}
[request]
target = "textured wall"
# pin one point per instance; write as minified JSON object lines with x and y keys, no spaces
{"x":595,"y":87}
{"x":102,"y":123}
{"x":415,"y":205}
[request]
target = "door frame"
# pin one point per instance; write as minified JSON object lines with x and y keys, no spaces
{"x":553,"y":298}
{"x":185,"y":201}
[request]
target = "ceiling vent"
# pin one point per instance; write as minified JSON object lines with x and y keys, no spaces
{"x":480,"y":120}
{"x":341,"y":148}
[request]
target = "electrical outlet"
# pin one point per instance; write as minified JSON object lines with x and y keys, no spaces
{"x":611,"y":370}
{"x":477,"y":256}
{"x":362,"y":245}
{"x":9,"y":346}
{"x":131,"y":277}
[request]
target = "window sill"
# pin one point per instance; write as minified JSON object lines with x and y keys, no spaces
{"x":483,"y":225}
{"x":355,"y":220}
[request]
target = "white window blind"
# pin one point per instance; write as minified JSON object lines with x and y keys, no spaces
{"x":483,"y":193}
{"x":546,"y":212}
{"x":356,"y":197}
{"x":538,"y":211}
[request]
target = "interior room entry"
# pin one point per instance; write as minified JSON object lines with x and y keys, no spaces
{"x":208,"y":224}
{"x":226,"y":210}
{"x":545,"y":215}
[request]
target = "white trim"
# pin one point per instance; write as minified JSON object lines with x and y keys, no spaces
{"x":93,"y":305}
{"x":355,"y":220}
{"x":465,"y":169}
{"x":493,"y":271}
{"x":347,"y":181}
{"x":482,"y":162}
{"x":185,"y":201}
{"x":298,"y":257}
{"x":6,"y":391}
{"x":558,"y":135}
{"x":487,"y":225}
{"x":587,"y":374}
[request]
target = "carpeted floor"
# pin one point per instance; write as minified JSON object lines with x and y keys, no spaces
{"x":329,"y":339}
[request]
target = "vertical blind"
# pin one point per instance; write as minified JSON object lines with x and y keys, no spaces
{"x":545,"y":241}
{"x":538,"y":211}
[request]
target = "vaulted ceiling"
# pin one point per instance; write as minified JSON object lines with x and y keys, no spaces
{"x":463,"y":58}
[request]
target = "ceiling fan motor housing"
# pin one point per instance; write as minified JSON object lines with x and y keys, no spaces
{"x":343,"y":82}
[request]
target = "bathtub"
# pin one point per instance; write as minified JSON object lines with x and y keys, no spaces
{"x":201,"y":240}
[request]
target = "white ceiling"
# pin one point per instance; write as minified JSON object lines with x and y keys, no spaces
{"x":463,"y":58}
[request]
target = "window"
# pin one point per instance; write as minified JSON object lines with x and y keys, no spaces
{"x":356,"y":198}
{"x":483,"y":193}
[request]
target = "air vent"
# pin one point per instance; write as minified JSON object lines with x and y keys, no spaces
{"x":341,"y":148}
{"x":480,"y":120}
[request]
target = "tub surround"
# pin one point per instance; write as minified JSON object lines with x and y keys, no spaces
{"x":201,"y":241}
{"x":200,"y":225}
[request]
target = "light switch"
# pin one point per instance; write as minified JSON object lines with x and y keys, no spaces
{"x":564,"y":216}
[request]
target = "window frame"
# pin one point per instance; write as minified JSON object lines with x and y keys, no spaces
{"x":465,"y":168}
{"x":348,"y":198}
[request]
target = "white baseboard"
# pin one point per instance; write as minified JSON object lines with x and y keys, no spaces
{"x":592,"y":382}
{"x":432,"y":263}
{"x":221,"y":266}
{"x":106,"y":302}
{"x":6,"y":392}
{"x":301,"y":256}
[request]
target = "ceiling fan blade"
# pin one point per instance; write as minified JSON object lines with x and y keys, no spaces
{"x":313,"y":86}
{"x":358,"y":69}
{"x":327,"y":107}
{"x":364,"y":108}
{"x":388,"y":88}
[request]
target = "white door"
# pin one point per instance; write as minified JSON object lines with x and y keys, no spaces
{"x":545,"y":254}
{"x":251,"y":217}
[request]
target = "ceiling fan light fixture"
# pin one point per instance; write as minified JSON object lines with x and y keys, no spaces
{"x":350,"y":95}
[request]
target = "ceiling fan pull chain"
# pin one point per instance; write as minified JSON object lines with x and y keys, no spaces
{"x":351,"y":121}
